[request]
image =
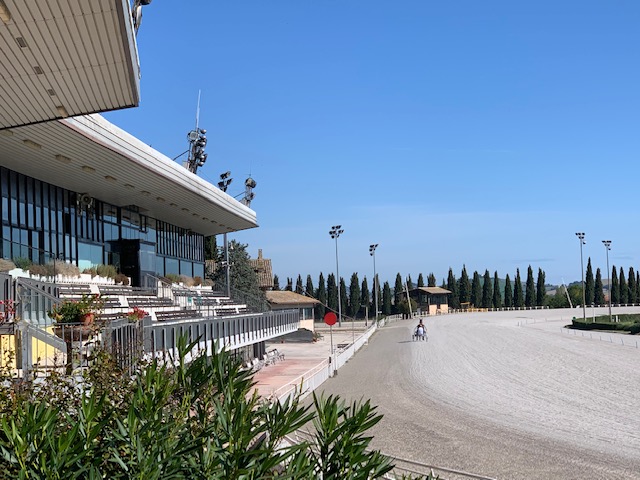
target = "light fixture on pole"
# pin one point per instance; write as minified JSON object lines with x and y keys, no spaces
{"x":335,"y":232}
{"x":580,"y":236}
{"x":223,"y":184}
{"x":372,"y":252}
{"x":607,"y":245}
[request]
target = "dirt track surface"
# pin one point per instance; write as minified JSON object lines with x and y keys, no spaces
{"x":509,"y":395}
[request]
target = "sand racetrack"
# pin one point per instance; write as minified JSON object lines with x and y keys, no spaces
{"x":509,"y":395}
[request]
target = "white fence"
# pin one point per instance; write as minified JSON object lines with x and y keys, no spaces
{"x":309,"y":381}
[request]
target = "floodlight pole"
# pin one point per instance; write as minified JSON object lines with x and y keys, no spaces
{"x":607,"y":246}
{"x":335,"y":232}
{"x":223,"y":184}
{"x":372,"y":252}
{"x":580,"y":236}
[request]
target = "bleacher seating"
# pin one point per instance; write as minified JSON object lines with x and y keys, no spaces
{"x":150,"y":302}
{"x":176,"y":315}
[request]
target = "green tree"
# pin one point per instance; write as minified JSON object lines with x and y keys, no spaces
{"x":637,"y":286}
{"x":465,"y":286}
{"x":598,"y":298}
{"x":431,"y":280}
{"x":508,"y":292}
{"x":615,"y":287}
{"x":497,"y":297}
{"x":487,"y":290}
{"x":365,"y":295}
{"x":211,"y":248}
{"x":299,"y":286}
{"x":354,"y":295}
{"x":309,"y":290}
{"x":409,"y":282}
{"x":397,"y":292}
{"x":541,"y":291}
{"x":624,"y":289}
{"x":244,"y":279}
{"x":386,"y":299}
{"x":452,"y":286}
{"x":321,"y":296}
{"x":631,"y":285}
{"x":276,"y":283}
{"x":344,"y":298}
{"x":559,"y":300}
{"x":518,"y":299}
{"x":420,"y":280}
{"x":289,"y":287}
{"x":589,"y":287}
{"x":476,"y":291}
{"x":530,"y":291}
{"x":332,"y":293}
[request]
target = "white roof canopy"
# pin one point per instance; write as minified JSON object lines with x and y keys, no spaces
{"x":61,"y":58}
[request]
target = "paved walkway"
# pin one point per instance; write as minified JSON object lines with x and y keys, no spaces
{"x":300,"y":358}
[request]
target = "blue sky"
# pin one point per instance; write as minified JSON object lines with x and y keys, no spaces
{"x":449,"y":133}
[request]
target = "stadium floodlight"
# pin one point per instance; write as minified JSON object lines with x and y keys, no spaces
{"x":607,"y":246}
{"x":580,"y":236}
{"x":335,"y":232}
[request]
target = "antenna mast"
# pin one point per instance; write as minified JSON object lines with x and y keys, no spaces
{"x":197,"y":141}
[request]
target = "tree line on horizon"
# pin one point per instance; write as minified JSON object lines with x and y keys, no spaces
{"x":475,"y":291}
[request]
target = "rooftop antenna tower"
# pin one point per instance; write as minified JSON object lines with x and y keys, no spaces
{"x":197,"y":141}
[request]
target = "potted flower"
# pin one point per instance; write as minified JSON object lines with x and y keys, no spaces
{"x":76,"y":315}
{"x":136,"y":314}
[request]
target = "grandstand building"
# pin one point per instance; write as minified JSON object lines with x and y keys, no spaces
{"x":75,"y":188}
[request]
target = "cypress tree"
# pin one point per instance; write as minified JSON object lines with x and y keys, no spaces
{"x":332,"y":293}
{"x":299,"y":287}
{"x":624,"y":290}
{"x":321,"y":296}
{"x":354,"y":296}
{"x":476,"y":290}
{"x":386,"y":299}
{"x":431,"y":280}
{"x":614,"y":287}
{"x":397,"y":293}
{"x":631,"y":284}
{"x":598,"y":298}
{"x":637,"y":286}
{"x":210,"y":248}
{"x":364,"y":294}
{"x":530,"y":291}
{"x":465,"y":287}
{"x":276,"y":283}
{"x":589,"y":287}
{"x":309,"y":290}
{"x":409,"y":282}
{"x":508,"y":292}
{"x":497,"y":297}
{"x":420,"y":280}
{"x":541,"y":291}
{"x":452,"y":286}
{"x":344,"y":298}
{"x":487,"y":290}
{"x":518,"y":300}
{"x":289,"y":286}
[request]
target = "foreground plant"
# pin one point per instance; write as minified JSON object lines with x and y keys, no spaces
{"x":178,"y":420}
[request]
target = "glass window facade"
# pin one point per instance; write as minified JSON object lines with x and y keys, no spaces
{"x":41,"y":221}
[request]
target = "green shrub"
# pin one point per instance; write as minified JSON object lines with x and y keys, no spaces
{"x":93,"y":271}
{"x":201,"y":419}
{"x":22,"y":262}
{"x":172,"y":278}
{"x":108,"y":271}
{"x":634,"y":329}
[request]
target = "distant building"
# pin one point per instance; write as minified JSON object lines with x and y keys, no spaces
{"x":286,"y":300}
{"x":431,"y":300}
{"x":262,"y":267}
